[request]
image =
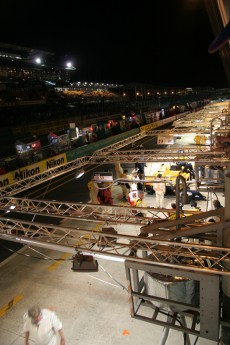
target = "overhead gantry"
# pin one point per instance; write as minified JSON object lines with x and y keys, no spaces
{"x":159,"y":238}
{"x":160,"y":247}
{"x":169,"y":155}
{"x":187,"y":247}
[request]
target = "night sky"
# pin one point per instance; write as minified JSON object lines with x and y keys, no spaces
{"x":160,"y":42}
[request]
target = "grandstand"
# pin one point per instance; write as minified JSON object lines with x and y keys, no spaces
{"x":35,"y":96}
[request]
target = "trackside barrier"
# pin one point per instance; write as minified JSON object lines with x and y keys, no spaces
{"x":32,"y":170}
{"x":89,"y":149}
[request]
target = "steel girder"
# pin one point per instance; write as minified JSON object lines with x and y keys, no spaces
{"x":109,"y":214}
{"x":120,"y":144}
{"x":180,"y":255}
{"x":34,"y":180}
{"x":187,"y":130}
{"x":69,"y":210}
{"x":116,"y":214}
{"x":207,"y":157}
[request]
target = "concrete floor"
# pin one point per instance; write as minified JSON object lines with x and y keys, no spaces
{"x":94,"y":307}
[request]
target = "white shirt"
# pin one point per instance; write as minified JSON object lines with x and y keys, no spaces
{"x":159,"y":187}
{"x":44,"y":332}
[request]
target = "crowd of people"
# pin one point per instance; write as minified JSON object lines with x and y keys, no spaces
{"x":132,"y":187}
{"x":132,"y":192}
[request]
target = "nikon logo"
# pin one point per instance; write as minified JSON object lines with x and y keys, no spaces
{"x":19,"y":175}
{"x":54,"y":162}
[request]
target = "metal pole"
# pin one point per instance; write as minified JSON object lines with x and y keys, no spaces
{"x":225,"y":330}
{"x":184,"y":193}
{"x":165,"y":332}
{"x":184,"y":323}
{"x":196,"y":168}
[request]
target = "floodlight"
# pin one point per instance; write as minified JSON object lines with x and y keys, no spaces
{"x":79,"y":173}
{"x":38,"y":60}
{"x":10,"y":208}
{"x":84,"y":263}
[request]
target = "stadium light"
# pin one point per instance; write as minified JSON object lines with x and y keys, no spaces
{"x":38,"y":60}
{"x":69,"y":65}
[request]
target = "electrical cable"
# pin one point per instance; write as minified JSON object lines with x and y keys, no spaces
{"x":31,"y":256}
{"x":123,"y":287}
{"x":52,"y":259}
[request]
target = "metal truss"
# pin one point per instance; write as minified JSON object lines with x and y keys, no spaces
{"x":120,"y":144}
{"x":75,"y":211}
{"x":177,"y":131}
{"x":178,"y":246}
{"x":180,"y":255}
{"x":131,"y":140}
{"x":187,"y":130}
{"x":111,"y":155}
{"x":109,"y":214}
{"x":168,"y":155}
{"x":117,"y":244}
{"x":158,"y":245}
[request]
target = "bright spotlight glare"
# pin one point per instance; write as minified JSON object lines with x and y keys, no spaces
{"x":38,"y":60}
{"x":79,"y":174}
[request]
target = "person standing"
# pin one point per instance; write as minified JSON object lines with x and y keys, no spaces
{"x":160,"y":190}
{"x":123,"y":174}
{"x":93,"y":191}
{"x":140,"y":169}
{"x":105,"y":195}
{"x":43,"y":327}
{"x":125,"y":186}
{"x":87,"y":137}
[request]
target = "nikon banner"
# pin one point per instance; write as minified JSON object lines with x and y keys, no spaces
{"x":32,"y":170}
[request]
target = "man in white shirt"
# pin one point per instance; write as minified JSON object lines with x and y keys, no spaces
{"x":160,"y":190}
{"x":42,"y":326}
